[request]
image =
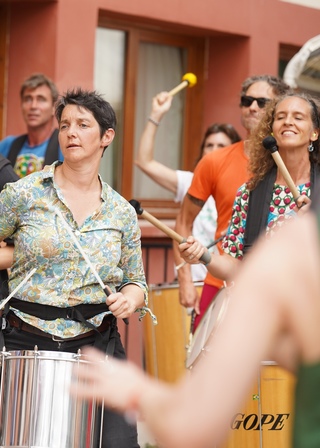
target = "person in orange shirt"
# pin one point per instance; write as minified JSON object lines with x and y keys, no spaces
{"x":220,"y":174}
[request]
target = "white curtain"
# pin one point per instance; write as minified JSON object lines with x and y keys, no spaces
{"x":109,"y":81}
{"x":160,"y":68}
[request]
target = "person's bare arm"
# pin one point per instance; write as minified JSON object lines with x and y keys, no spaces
{"x":160,"y":173}
{"x":189,"y":210}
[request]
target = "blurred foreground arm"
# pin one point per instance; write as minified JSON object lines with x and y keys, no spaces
{"x":275,"y":297}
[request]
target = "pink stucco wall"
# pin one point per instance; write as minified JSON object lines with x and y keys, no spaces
{"x":243,"y":39}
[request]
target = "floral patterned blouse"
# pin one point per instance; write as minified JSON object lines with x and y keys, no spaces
{"x":110,"y":237}
{"x":281,"y":208}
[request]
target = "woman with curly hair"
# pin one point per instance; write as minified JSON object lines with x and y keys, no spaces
{"x":261,"y":161}
{"x":265,"y":202}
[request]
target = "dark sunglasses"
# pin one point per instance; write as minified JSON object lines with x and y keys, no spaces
{"x":246,"y":101}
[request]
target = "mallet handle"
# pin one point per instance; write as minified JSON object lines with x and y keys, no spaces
{"x":206,"y":257}
{"x":285,"y":173}
{"x":179,"y":87}
{"x":165,"y":229}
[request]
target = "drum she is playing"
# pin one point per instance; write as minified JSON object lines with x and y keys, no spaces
{"x":36,"y":409}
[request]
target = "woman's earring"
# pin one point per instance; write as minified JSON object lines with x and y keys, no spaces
{"x":310,"y":147}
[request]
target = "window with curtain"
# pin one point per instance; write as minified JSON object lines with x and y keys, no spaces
{"x":132,"y":64}
{"x":160,"y":68}
{"x":109,"y":80}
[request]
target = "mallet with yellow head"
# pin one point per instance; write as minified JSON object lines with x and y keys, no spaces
{"x":188,"y":80}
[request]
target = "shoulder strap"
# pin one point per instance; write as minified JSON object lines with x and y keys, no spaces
{"x":52,"y":152}
{"x":314,"y":179}
{"x":259,"y":203}
{"x":15,"y":148}
{"x":6,"y":172}
{"x":49,"y":312}
{"x":3,"y":162}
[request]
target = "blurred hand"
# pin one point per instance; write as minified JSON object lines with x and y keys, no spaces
{"x":117,"y":383}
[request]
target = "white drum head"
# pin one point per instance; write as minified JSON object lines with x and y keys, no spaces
{"x":207,"y":325}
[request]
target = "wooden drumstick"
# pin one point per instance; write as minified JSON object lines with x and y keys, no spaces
{"x":205,"y":258}
{"x":17,"y":288}
{"x":164,"y":228}
{"x":188,"y":80}
{"x":270,"y":144}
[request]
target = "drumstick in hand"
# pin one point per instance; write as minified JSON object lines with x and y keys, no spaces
{"x":270,"y":143}
{"x":188,"y":80}
{"x":205,"y":258}
{"x":208,"y":247}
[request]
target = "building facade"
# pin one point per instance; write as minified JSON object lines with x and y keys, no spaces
{"x":130,"y":51}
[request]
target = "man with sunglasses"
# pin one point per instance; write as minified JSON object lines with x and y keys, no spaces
{"x":220,"y":174}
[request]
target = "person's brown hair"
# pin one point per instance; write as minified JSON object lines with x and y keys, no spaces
{"x":37,"y":80}
{"x":279,"y":87}
{"x":215,"y":128}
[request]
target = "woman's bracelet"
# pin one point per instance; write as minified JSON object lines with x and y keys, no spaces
{"x":156,"y":123}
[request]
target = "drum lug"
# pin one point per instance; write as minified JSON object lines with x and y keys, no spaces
{"x":78,"y":354}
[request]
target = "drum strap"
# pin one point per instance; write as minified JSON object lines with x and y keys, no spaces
{"x":77,"y":313}
{"x":48,"y":312}
{"x":259,"y":204}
